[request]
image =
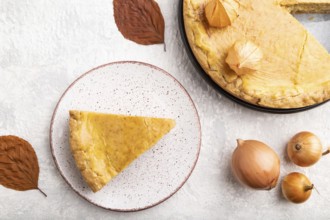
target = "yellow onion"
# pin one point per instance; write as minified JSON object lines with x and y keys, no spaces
{"x":305,"y":149}
{"x":255,"y":164}
{"x":296,"y":187}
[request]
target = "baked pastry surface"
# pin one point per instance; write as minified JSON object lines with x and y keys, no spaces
{"x":295,"y":69}
{"x":105,"y":144}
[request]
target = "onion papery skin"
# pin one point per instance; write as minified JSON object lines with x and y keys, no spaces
{"x":296,"y":187}
{"x":304,"y":149}
{"x":255,"y":164}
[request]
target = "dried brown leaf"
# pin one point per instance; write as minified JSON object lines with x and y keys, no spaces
{"x":140,"y":21}
{"x":19,"y":169}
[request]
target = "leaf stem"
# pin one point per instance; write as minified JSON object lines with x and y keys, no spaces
{"x":42,"y":192}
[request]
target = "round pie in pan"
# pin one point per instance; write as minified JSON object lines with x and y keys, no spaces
{"x":263,"y":55}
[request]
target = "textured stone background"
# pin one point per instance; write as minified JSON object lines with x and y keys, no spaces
{"x":45,"y":45}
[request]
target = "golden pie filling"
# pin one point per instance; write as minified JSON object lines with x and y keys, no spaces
{"x":105,"y":144}
{"x":258,"y":52}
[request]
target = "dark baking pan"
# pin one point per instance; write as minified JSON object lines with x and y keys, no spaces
{"x":208,"y":79}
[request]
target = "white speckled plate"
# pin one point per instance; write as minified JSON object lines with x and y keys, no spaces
{"x":141,"y":89}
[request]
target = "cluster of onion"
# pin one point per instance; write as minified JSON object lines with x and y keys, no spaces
{"x":258,"y":166}
{"x":304,"y":149}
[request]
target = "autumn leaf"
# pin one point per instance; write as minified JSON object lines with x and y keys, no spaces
{"x":140,"y":21}
{"x":19,"y":169}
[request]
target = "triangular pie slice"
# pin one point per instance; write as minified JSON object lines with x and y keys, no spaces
{"x":294,"y":70}
{"x":105,"y":144}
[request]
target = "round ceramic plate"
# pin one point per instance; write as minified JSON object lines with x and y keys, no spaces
{"x":132,"y":88}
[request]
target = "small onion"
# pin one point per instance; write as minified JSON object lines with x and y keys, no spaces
{"x":255,"y":164}
{"x":296,"y":187}
{"x":305,"y":149}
